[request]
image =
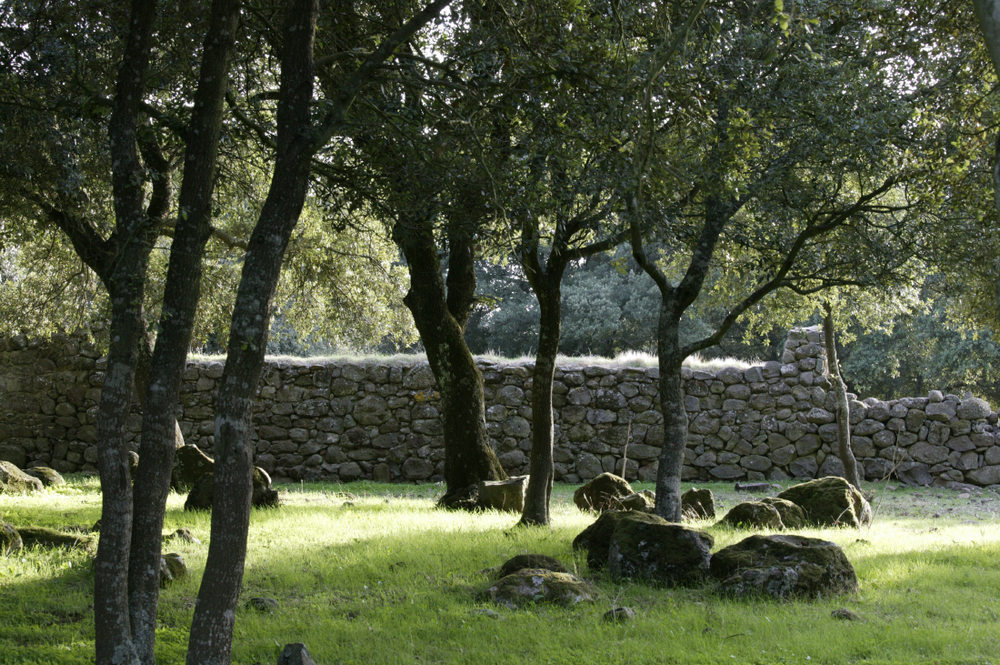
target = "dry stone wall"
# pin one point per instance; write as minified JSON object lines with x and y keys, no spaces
{"x":343,"y":421}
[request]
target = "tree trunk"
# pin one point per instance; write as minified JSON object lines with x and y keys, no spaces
{"x":133,"y":242}
{"x":541,"y":473}
{"x":180,"y":303}
{"x":843,"y":407}
{"x":215,"y":612}
{"x":675,"y":420}
{"x":468,"y":455}
{"x":988,"y":16}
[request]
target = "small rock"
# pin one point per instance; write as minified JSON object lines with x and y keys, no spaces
{"x":753,"y":487}
{"x":49,"y":477}
{"x":698,"y":504}
{"x":10,"y":540}
{"x":172,"y":568}
{"x":505,"y":495}
{"x":603,"y":492}
{"x":295,"y":654}
{"x":184,"y":534}
{"x":522,"y":561}
{"x":845,"y":614}
{"x":263,"y":604}
{"x":533,"y":585}
{"x":619,"y":615}
{"x":486,"y":612}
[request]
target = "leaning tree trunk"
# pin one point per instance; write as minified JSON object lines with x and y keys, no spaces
{"x":469,"y":458}
{"x":843,"y":407}
{"x":180,"y":303}
{"x":211,"y":636}
{"x":675,"y":420}
{"x":541,"y":472}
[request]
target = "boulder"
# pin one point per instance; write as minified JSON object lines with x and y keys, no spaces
{"x":184,"y":534}
{"x":644,"y":501}
{"x":792,"y":516}
{"x":262,"y":604}
{"x":15,"y":481}
{"x":830,"y":501}
{"x":698,"y":504}
{"x":522,"y":561}
{"x":619,"y":615}
{"x":596,"y":538}
{"x":533,"y":585}
{"x":49,"y":477}
{"x":658,"y":551}
{"x":295,"y":654}
{"x":44,"y":537}
{"x":783,"y":566}
{"x":603,"y":492}
{"x":10,"y":540}
{"x":201,"y":495}
{"x":754,"y":515}
{"x":190,"y":464}
{"x":172,"y":568}
{"x":503,"y":494}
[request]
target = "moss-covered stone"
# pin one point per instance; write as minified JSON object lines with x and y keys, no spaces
{"x":783,"y":566}
{"x":201,"y":495}
{"x":522,"y":561}
{"x":830,"y":501}
{"x":753,"y":515}
{"x":506,"y":495}
{"x":172,"y":568}
{"x":44,"y":537}
{"x":596,"y":538}
{"x":10,"y":540}
{"x":644,"y":501}
{"x":49,"y":477}
{"x":15,"y":481}
{"x":698,"y":504}
{"x":602,"y":493}
{"x":190,"y":464}
{"x":535,"y":585}
{"x":792,"y":515}
{"x":658,"y":551}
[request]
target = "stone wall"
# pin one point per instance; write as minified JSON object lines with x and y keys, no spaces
{"x":350,"y":421}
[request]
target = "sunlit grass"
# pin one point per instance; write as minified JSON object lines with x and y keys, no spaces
{"x":638,"y":359}
{"x":368,"y":573}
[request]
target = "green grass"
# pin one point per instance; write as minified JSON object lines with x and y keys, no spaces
{"x":368,"y":573}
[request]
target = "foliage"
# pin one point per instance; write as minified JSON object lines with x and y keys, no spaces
{"x":373,"y":573}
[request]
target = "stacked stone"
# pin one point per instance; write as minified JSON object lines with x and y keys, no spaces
{"x":348,"y":421}
{"x":49,"y":391}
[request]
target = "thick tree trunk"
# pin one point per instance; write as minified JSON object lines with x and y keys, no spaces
{"x":182,"y":292}
{"x":132,"y":242}
{"x":215,"y":612}
{"x":843,"y":407}
{"x":675,"y":420}
{"x":541,"y":473}
{"x":468,"y":455}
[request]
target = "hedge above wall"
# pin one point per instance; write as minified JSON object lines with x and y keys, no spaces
{"x":347,"y":421}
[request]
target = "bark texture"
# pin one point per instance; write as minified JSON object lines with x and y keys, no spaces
{"x":132,"y":239}
{"x":182,"y":292}
{"x":843,"y":406}
{"x":440,"y":312}
{"x":215,"y":612}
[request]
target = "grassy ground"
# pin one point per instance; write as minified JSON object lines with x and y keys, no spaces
{"x":368,"y":573}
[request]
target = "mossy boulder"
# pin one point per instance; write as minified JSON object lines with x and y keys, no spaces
{"x":49,"y":477}
{"x":522,"y":561}
{"x":658,"y":551}
{"x":190,"y":464}
{"x":830,"y":501}
{"x":536,"y":585}
{"x":172,"y":568}
{"x":44,"y":537}
{"x":792,"y":515}
{"x":10,"y":540}
{"x":698,"y":504}
{"x":644,"y":501}
{"x":596,"y":538}
{"x":783,"y":566}
{"x":201,"y":495}
{"x":754,"y":515}
{"x":15,"y":481}
{"x":602,"y":493}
